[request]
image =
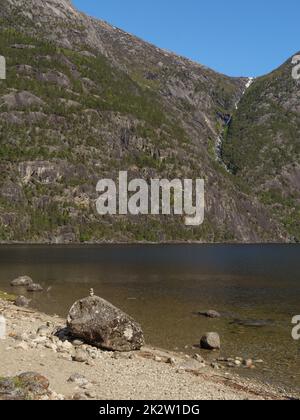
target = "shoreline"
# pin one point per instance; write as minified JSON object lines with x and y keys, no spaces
{"x":151,"y":373}
{"x":134,"y":243}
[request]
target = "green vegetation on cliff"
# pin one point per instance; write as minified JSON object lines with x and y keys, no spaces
{"x":262,"y":146}
{"x":84,"y":100}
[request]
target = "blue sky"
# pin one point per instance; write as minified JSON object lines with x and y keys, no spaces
{"x":235,"y":37}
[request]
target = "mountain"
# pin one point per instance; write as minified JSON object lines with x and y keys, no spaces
{"x":262,"y":145}
{"x":84,"y":100}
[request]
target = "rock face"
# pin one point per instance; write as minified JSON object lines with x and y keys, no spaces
{"x":102,"y":325}
{"x":106,"y":99}
{"x":22,"y":281}
{"x":210,"y":341}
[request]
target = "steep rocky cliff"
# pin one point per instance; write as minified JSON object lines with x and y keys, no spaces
{"x":262,"y":145}
{"x":84,"y":100}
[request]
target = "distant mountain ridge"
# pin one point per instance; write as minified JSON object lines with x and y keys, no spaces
{"x":84,"y":99}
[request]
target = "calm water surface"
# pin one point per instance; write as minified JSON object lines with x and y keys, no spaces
{"x":163,"y":286}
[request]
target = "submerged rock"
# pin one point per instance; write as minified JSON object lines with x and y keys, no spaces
{"x":210,"y":314}
{"x":102,"y":325}
{"x":34,"y":288}
{"x":210,"y":341}
{"x":253,"y":323}
{"x":21,"y":281}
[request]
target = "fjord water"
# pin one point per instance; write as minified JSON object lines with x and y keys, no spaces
{"x":256,"y":288}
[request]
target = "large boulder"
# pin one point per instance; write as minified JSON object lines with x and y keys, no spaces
{"x":102,"y":325}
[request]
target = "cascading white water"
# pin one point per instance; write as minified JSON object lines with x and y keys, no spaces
{"x":219,"y":141}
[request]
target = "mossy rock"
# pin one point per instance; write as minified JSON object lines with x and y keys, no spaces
{"x":27,"y":386}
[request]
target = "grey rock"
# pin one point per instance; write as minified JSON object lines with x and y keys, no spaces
{"x":22,"y":281}
{"x":34,"y":288}
{"x":222,"y":359}
{"x":171,"y":361}
{"x":210,"y":314}
{"x":92,"y":352}
{"x":191,"y":365}
{"x":215,"y":366}
{"x":80,"y":356}
{"x":77,"y":343}
{"x":102,"y":325}
{"x":248,"y":363}
{"x":90,"y":394}
{"x":123,"y":356}
{"x":210,"y":341}
{"x":27,"y":386}
{"x":87,"y":54}
{"x":78,"y":379}
{"x":55,"y":77}
{"x":231,"y":365}
{"x":12,"y":192}
{"x":22,"y":302}
{"x":23,"y":46}
{"x":21,"y":100}
{"x":79,"y":396}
